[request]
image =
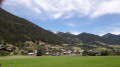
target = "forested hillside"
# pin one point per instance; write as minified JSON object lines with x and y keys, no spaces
{"x":112,"y":37}
{"x":14,"y":30}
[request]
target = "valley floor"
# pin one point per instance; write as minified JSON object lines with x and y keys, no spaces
{"x":60,"y":61}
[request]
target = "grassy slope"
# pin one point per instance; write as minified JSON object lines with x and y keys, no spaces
{"x":110,"y":61}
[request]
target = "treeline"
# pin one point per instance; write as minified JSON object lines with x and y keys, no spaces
{"x":15,"y":30}
{"x":101,"y":53}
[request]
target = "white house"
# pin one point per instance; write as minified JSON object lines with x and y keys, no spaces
{"x":1,"y":47}
{"x":32,"y":53}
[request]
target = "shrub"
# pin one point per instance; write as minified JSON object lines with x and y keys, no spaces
{"x":23,"y":52}
{"x":84,"y":54}
{"x":39,"y":53}
{"x":4,"y":53}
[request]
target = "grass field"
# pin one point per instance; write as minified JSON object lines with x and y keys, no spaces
{"x":62,"y":61}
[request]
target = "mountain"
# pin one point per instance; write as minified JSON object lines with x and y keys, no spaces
{"x":112,"y":37}
{"x":70,"y":38}
{"x":86,"y":38}
{"x":14,"y":30}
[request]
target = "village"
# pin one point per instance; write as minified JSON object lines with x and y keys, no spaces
{"x":31,"y":49}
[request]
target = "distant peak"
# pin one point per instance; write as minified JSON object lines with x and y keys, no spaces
{"x":68,"y":33}
{"x":108,"y":34}
{"x":58,"y":32}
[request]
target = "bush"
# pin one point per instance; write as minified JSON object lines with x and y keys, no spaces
{"x":4,"y":53}
{"x":16,"y":51}
{"x":23,"y":52}
{"x":39,"y":53}
{"x":84,"y":54}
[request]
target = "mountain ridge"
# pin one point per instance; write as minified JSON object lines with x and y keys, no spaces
{"x":88,"y":37}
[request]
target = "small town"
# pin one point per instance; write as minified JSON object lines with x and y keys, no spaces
{"x":30,"y":49}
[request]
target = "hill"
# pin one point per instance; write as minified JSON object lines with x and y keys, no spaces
{"x":84,"y":38}
{"x":112,"y":37}
{"x":14,"y":30}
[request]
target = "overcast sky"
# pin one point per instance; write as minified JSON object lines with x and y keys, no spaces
{"x":75,"y":16}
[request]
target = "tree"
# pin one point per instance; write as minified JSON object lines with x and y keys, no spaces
{"x":4,"y":53}
{"x":37,"y":42}
{"x":39,"y":52}
{"x":4,"y":43}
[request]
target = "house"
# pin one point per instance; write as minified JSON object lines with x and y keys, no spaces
{"x":56,"y":54}
{"x":1,"y":47}
{"x":29,"y":44}
{"x":81,"y":52}
{"x":66,"y":52}
{"x":32,"y":53}
{"x":7,"y":48}
{"x":97,"y":52}
{"x":90,"y":50}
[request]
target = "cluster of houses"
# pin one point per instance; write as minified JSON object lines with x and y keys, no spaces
{"x":76,"y":52}
{"x":64,"y":51}
{"x":68,"y":52}
{"x":7,"y":48}
{"x":52,"y":50}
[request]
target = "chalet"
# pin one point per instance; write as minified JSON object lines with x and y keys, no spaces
{"x":32,"y":53}
{"x":29,"y":44}
{"x":66,"y":52}
{"x":7,"y":48}
{"x":81,"y":52}
{"x":97,"y":52}
{"x":1,"y":47}
{"x":56,"y":54}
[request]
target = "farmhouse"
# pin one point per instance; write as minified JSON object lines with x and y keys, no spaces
{"x":29,"y":44}
{"x":7,"y":48}
{"x":32,"y":53}
{"x":1,"y":47}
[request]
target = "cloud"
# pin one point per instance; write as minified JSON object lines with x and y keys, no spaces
{"x":66,"y":9}
{"x":75,"y":32}
{"x":71,"y":24}
{"x":37,"y":10}
{"x":104,"y":30}
{"x":114,"y":30}
{"x":115,"y":24}
{"x":108,"y":7}
{"x":57,"y":15}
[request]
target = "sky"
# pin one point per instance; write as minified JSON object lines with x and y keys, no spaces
{"x":76,"y":16}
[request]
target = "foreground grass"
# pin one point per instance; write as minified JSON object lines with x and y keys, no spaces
{"x":76,"y":61}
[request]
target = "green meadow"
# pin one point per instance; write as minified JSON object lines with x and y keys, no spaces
{"x":61,"y":61}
